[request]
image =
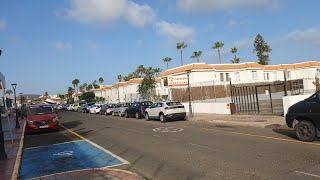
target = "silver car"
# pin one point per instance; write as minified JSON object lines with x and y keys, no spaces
{"x":119,"y":109}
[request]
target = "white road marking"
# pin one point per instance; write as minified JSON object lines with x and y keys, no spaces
{"x":313,"y":175}
{"x":167,"y":129}
{"x":54,"y":144}
{"x":205,"y":147}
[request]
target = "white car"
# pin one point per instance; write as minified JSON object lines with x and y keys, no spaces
{"x":70,"y":107}
{"x":165,"y":110}
{"x":95,"y":109}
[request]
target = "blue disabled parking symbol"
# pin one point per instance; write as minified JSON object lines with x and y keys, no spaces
{"x":46,"y":160}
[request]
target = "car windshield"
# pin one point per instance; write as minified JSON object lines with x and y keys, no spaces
{"x":41,"y":110}
{"x":173,"y":103}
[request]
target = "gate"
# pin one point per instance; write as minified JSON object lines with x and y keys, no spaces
{"x":258,"y":99}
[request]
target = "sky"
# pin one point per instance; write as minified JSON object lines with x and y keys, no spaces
{"x":47,"y":44}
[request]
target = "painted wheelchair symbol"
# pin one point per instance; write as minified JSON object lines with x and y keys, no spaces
{"x":64,"y":153}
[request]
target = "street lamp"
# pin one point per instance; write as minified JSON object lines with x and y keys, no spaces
{"x":190,"y":108}
{"x":3,"y":154}
{"x":15,"y":102}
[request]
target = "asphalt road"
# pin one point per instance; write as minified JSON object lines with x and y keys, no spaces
{"x":192,"y":150}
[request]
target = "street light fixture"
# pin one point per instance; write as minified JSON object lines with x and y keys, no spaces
{"x":14,"y":86}
{"x":189,"y":92}
{"x":3,"y":154}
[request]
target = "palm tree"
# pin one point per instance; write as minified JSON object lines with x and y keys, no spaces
{"x":77,"y":84}
{"x":101,"y":80}
{"x":45,"y":94}
{"x":74,"y":84}
{"x":157,"y":71}
{"x":180,"y":47}
{"x":140,"y":70}
{"x":234,"y":51}
{"x":119,"y":77}
{"x":196,"y":55}
{"x":9,"y":92}
{"x":218,"y":45}
{"x":167,"y":60}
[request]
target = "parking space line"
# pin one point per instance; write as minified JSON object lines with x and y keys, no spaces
{"x":96,"y":145}
{"x":264,"y":137}
{"x":313,"y":175}
{"x":53,"y":144}
{"x":205,"y":147}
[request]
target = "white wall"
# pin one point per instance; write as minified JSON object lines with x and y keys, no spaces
{"x":212,"y":108}
{"x":291,"y":100}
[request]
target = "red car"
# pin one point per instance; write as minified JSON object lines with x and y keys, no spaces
{"x":41,"y":118}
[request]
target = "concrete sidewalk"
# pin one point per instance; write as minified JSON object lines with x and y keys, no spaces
{"x":242,"y":120}
{"x":12,"y":142}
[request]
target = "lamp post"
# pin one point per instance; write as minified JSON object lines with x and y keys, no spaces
{"x":3,"y":154}
{"x":15,"y":102}
{"x":189,"y":92}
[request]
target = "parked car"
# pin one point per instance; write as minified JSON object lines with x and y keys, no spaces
{"x":41,"y":118}
{"x":95,"y":109}
{"x":137,"y":109}
{"x":120,"y":108}
{"x":304,"y":118}
{"x":87,"y":110}
{"x":165,"y":110}
{"x":76,"y":107}
{"x":70,"y":107}
{"x":109,"y":109}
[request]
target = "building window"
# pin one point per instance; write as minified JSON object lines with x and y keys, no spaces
{"x":288,"y":74}
{"x":254,"y":75}
{"x":237,"y":75}
{"x":221,"y":77}
{"x":275,"y":76}
{"x":266,"y":76}
{"x":227,"y":76}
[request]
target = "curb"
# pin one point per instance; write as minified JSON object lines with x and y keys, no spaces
{"x":16,"y":169}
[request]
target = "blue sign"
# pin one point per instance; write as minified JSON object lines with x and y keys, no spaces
{"x":46,"y":160}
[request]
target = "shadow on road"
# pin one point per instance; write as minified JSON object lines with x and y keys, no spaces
{"x":71,"y":124}
{"x":287,"y":132}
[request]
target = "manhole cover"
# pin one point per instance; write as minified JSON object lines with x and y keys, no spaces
{"x":167,"y":129}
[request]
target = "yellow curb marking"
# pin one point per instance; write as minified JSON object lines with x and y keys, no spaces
{"x":16,"y":168}
{"x":264,"y":137}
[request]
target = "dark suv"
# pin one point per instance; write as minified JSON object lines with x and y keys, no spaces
{"x":137,"y":109}
{"x":304,"y":118}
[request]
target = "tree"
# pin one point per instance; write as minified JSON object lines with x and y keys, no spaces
{"x":87,"y":96}
{"x":157,"y":71}
{"x":262,"y":50}
{"x":61,"y":96}
{"x":218,"y":45}
{"x":77,"y":84}
{"x":74,"y":84}
{"x":167,"y":60}
{"x":196,"y":55}
{"x":83,"y":87}
{"x":9,"y":92}
{"x":89,"y":87}
{"x":234,"y":51}
{"x":140,"y":70}
{"x":119,"y":77}
{"x":180,"y":47}
{"x":45,"y":94}
{"x":101,"y":80}
{"x":147,"y":85}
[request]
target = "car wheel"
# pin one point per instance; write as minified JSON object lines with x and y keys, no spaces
{"x":57,"y":130}
{"x":162,"y":118}
{"x":137,"y":115}
{"x":306,"y":131}
{"x":126,"y":114}
{"x":146,"y":116}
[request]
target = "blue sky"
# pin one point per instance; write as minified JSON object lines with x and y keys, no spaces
{"x":47,"y":44}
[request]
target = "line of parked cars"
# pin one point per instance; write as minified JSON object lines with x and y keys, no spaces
{"x":162,"y":110}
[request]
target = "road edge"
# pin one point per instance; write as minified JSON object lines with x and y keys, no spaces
{"x":16,"y":169}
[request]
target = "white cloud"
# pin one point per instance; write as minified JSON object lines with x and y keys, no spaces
{"x":175,"y":32}
{"x":311,"y":36}
{"x":223,"y":5}
{"x":108,"y":11}
{"x":61,"y":45}
{"x":3,"y":24}
{"x":233,"y":22}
